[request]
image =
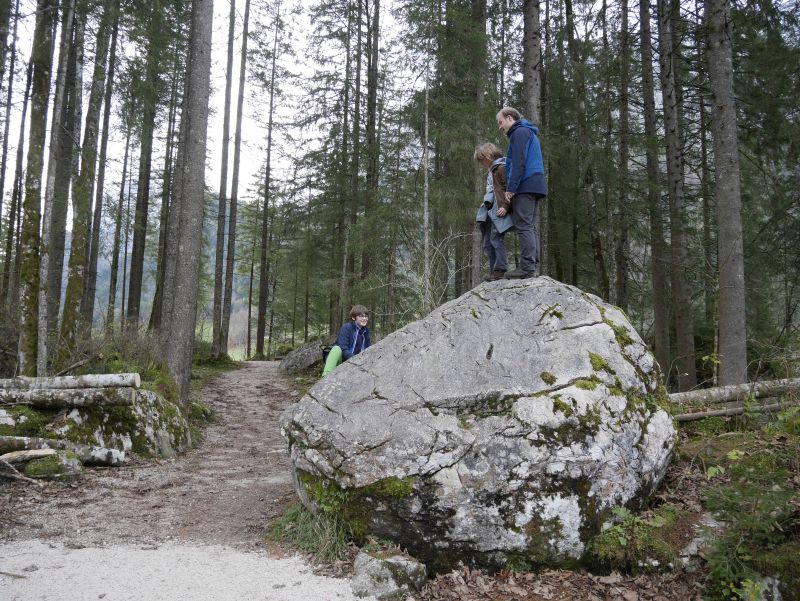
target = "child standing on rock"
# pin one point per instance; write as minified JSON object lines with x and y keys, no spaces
{"x":493,"y":216}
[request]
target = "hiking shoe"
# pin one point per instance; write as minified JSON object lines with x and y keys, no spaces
{"x":518,"y":274}
{"x":493,"y":276}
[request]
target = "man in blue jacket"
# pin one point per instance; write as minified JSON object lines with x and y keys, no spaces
{"x":525,"y":187}
{"x":353,"y":338}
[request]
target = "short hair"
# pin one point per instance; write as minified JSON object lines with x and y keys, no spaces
{"x":508,"y":111}
{"x":488,"y":152}
{"x":358,"y":310}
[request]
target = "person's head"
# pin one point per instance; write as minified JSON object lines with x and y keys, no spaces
{"x":360,"y":315}
{"x":507,"y":117}
{"x":486,"y":154}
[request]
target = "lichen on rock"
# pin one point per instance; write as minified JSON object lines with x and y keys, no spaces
{"x":513,"y":455}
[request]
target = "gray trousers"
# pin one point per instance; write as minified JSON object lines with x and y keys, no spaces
{"x":494,"y":247}
{"x":525,"y":208}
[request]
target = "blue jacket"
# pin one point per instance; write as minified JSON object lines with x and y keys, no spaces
{"x":352,"y":339}
{"x":524,"y":162}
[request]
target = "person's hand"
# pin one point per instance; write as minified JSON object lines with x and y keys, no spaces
{"x":509,"y":196}
{"x":501,"y":212}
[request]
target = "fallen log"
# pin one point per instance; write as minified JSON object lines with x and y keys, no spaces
{"x":89,"y":455}
{"x":736,"y":392}
{"x":127,"y":380}
{"x":690,"y":417}
{"x":25,"y":456}
{"x":50,"y":398}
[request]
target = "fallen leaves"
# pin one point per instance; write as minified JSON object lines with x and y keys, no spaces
{"x":469,"y":584}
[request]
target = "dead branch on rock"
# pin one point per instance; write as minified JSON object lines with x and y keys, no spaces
{"x":124,"y":380}
{"x":25,"y":456}
{"x":14,"y":474}
{"x":88,"y":455}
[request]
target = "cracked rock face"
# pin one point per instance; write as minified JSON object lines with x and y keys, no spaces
{"x":502,"y":427}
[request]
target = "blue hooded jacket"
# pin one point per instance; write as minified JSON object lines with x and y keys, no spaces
{"x":352,"y":340}
{"x":524,"y":162}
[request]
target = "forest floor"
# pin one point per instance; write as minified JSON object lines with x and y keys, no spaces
{"x":193,"y":527}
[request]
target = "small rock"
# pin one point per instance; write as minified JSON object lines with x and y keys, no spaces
{"x":387,"y":575}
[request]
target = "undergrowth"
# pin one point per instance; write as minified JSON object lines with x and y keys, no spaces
{"x":754,"y":489}
{"x":638,"y":544}
{"x":324,"y":536}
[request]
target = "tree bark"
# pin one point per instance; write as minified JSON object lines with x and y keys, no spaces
{"x":5,"y":10}
{"x":148,"y":107}
{"x":94,"y":249}
{"x":112,"y":282}
{"x":216,"y":325}
{"x":74,"y":306}
{"x":186,"y":212}
{"x":622,"y":250}
{"x":42,"y":62}
{"x":227,"y":304}
{"x":658,"y":250}
{"x":263,"y":270}
{"x":732,"y":326}
{"x":681,"y":293}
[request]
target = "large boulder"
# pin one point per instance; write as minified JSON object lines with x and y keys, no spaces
{"x":503,"y":427}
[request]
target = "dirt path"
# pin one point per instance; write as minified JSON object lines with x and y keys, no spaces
{"x":222,"y":492}
{"x":190,"y":528}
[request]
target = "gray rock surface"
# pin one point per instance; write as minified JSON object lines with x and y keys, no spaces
{"x":303,"y":357}
{"x":502,"y":427}
{"x":151,"y":426}
{"x":387,"y":575}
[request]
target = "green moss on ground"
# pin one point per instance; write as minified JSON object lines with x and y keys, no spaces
{"x":29,"y":422}
{"x":353,"y":506}
{"x":636,"y":544}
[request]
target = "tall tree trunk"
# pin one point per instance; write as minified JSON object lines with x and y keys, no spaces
{"x":9,"y":300}
{"x":94,"y":249}
{"x":237,"y":150}
{"x":584,"y":160}
{"x":186,"y":212}
{"x":75,"y":318}
{"x":622,"y":239}
{"x":112,"y":280}
{"x":681,"y":293}
{"x":59,"y":169}
{"x":216,"y":326}
{"x":658,"y":247}
{"x":372,"y":147}
{"x":732,"y":327}
{"x":427,"y":293}
{"x":263,"y":287}
{"x":166,"y":197}
{"x":5,"y":10}
{"x":149,"y":108}
{"x":532,"y":60}
{"x":42,"y":61}
{"x":127,"y":216}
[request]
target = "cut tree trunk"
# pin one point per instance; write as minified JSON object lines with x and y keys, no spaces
{"x":129,"y":380}
{"x":736,"y":392}
{"x":15,"y":457}
{"x":88,"y":455}
{"x":690,"y":417}
{"x":73,"y":397}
